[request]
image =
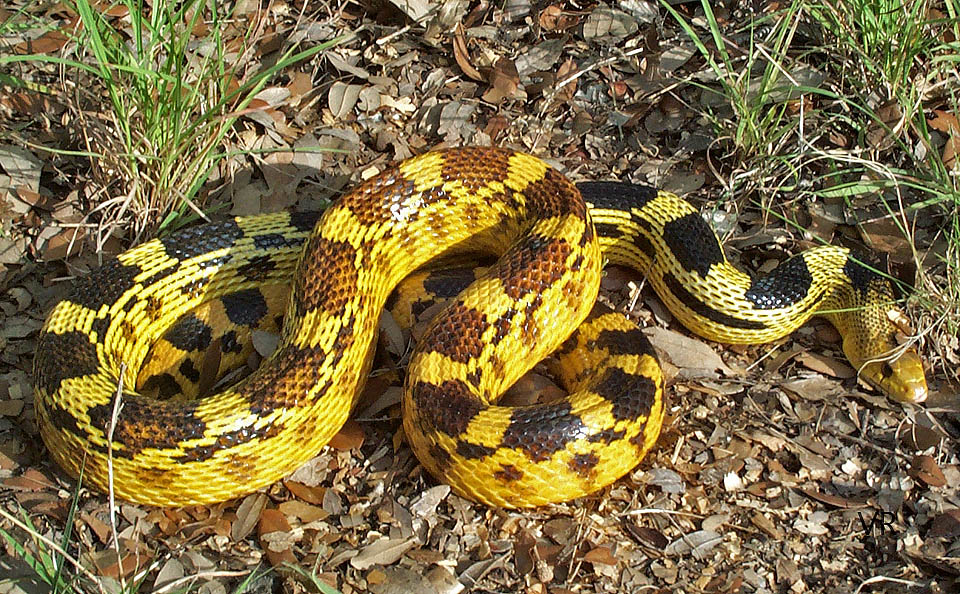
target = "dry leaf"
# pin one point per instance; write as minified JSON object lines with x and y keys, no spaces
{"x":385,"y":551}
{"x":496,"y":126}
{"x":697,"y":543}
{"x":392,"y":335}
{"x":880,"y":133}
{"x":530,"y":389}
{"x":884,"y":235}
{"x":265,"y":343}
{"x":553,"y":18}
{"x":454,"y":120}
{"x":924,"y":468}
{"x":827,"y":365}
{"x":307,"y":493}
{"x":246,"y":200}
{"x":601,"y":555}
{"x":566,"y":93}
{"x":343,"y":65}
{"x":388,"y":397}
{"x":685,"y":352}
{"x":946,"y":525}
{"x":31,"y":480}
{"x":106,"y":563}
{"x":341,"y":98}
{"x":300,"y":84}
{"x":919,"y":437}
{"x":417,"y":10}
{"x":609,"y":22}
{"x":10,"y":408}
{"x":541,"y":57}
{"x":764,"y":523}
{"x":650,"y":536}
{"x":428,"y":502}
{"x":48,"y":43}
{"x":303,"y":511}
{"x":504,"y":82}
{"x":273,"y":531}
{"x":65,"y":243}
{"x":462,"y":56}
{"x":834,"y":500}
{"x":171,"y":571}
{"x":23,"y":169}
{"x":350,"y":437}
{"x":814,"y":389}
{"x":248,"y":514}
{"x":946,"y":122}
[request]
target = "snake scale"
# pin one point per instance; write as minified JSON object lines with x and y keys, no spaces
{"x":551,"y":238}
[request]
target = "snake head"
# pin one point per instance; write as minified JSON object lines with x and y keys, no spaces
{"x":902,"y":378}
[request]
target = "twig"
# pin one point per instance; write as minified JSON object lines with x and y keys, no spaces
{"x":882,"y":578}
{"x":117,"y":405}
{"x":189,"y":579}
{"x":86,"y":572}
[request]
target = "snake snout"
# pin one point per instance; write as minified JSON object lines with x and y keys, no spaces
{"x":902,"y":379}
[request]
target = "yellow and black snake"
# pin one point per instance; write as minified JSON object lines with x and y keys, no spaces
{"x":551,"y":244}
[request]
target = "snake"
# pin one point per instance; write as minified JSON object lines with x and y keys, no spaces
{"x":552,"y":239}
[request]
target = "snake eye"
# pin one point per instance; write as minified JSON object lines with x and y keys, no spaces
{"x":885,"y":370}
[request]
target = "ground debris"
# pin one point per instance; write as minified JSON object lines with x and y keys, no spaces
{"x":775,"y":471}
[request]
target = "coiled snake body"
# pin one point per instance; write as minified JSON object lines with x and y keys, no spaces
{"x":551,"y":245}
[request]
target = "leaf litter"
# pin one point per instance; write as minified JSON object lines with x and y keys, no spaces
{"x":775,"y":471}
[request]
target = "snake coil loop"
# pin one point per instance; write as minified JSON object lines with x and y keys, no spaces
{"x":551,"y":244}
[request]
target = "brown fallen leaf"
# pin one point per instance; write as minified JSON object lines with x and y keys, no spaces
{"x":813,"y":389}
{"x":827,"y":365}
{"x":924,"y":468}
{"x":309,"y":494}
{"x":610,"y":23}
{"x":272,"y":521}
{"x":884,"y":235}
{"x":303,"y":511}
{"x":496,"y":126}
{"x":350,"y":437}
{"x":649,"y":536}
{"x":99,"y":528}
{"x":462,"y":56}
{"x":300,"y":85}
{"x":880,"y":134}
{"x":385,"y":551}
{"x":919,"y":437}
{"x":685,"y":352}
{"x":834,"y":500}
{"x":523,"y":552}
{"x":106,"y":563}
{"x":25,"y":102}
{"x":504,"y":82}
{"x":764,"y":523}
{"x":945,"y":525}
{"x":31,"y":480}
{"x":341,"y":98}
{"x":947,"y":123}
{"x":553,"y":18}
{"x":566,"y":70}
{"x":601,"y":555}
{"x":48,"y":43}
{"x":530,"y":389}
{"x":376,"y":577}
{"x":248,"y":514}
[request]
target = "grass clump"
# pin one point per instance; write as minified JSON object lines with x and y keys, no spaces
{"x":846,"y":100}
{"x":157,"y":90}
